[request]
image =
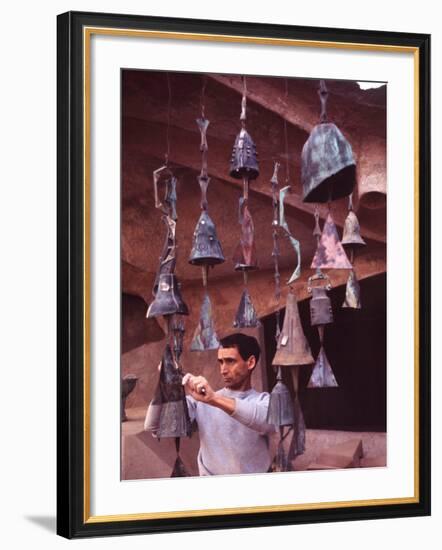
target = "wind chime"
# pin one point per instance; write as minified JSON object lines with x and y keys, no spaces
{"x":206,"y":248}
{"x":168,"y":415}
{"x":244,"y":166}
{"x":351,"y":239}
{"x":292,"y":346}
{"x":280,"y":412}
{"x":328,"y":172}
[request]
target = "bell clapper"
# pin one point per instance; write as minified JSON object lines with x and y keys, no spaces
{"x":245,"y":277}
{"x":205,"y":272}
{"x":245,"y":183}
{"x":323,"y":96}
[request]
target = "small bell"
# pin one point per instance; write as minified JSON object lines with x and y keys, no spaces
{"x":281,"y":462}
{"x":246,"y":315}
{"x":330,"y":253}
{"x":174,"y":418}
{"x":168,"y":299}
{"x":321,"y":312}
{"x":127,"y":386}
{"x":168,"y":253}
{"x":352,"y":231}
{"x":244,"y":160}
{"x":205,"y":337}
{"x":179,"y":469}
{"x":206,"y":248}
{"x":328,"y":168}
{"x":297,"y":444}
{"x":292,"y":347}
{"x":352,"y":292}
{"x":280,"y":411}
{"x":322,"y":374}
{"x":245,"y":253}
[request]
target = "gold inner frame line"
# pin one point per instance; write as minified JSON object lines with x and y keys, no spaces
{"x":87,"y":33}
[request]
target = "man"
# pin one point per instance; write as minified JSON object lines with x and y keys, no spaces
{"x":232,"y":421}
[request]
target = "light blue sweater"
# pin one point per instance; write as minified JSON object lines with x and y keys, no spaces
{"x":237,"y":443}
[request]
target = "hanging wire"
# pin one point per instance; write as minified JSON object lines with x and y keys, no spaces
{"x":243,"y":116}
{"x":286,"y":142}
{"x":169,"y":104}
{"x":203,"y":96}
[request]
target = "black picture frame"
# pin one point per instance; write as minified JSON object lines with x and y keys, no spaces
{"x":73,"y":520}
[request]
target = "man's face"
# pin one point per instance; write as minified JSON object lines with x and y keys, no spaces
{"x":234,"y":369}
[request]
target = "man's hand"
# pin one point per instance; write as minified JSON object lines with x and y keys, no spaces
{"x":198,"y":388}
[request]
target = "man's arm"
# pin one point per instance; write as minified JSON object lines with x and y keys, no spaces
{"x":252,"y":414}
{"x":201,"y":390}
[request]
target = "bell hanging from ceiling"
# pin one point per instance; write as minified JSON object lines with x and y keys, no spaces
{"x":205,"y":337}
{"x":321,"y":312}
{"x":280,"y":411}
{"x":246,"y":316}
{"x":206,"y":248}
{"x":297,"y":444}
{"x":168,"y":254}
{"x":352,"y":231}
{"x":179,"y":469}
{"x":330,"y":253}
{"x":244,"y":160}
{"x":328,"y":168}
{"x":292,"y":347}
{"x":168,"y":299}
{"x":322,"y":374}
{"x":174,"y":419}
{"x":244,"y":256}
{"x":352,"y":292}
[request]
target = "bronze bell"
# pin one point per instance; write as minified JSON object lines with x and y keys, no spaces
{"x":330,"y":253}
{"x":244,"y":160}
{"x":206,"y":248}
{"x":244,"y":256}
{"x":205,"y":337}
{"x":246,"y":316}
{"x":321,"y":312}
{"x":352,"y":292}
{"x":322,"y":374}
{"x":280,"y":411}
{"x":328,"y":168}
{"x":168,"y":299}
{"x":352,"y":231}
{"x":174,"y":418}
{"x":292,"y":347}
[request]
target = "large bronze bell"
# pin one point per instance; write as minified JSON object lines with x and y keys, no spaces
{"x":328,"y":168}
{"x":352,"y":231}
{"x":174,"y":418}
{"x":321,"y":312}
{"x":168,"y":299}
{"x":330,"y":253}
{"x":206,"y":248}
{"x":292,"y":347}
{"x":244,"y":160}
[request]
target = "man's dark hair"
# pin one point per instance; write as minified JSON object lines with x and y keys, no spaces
{"x":246,"y":345}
